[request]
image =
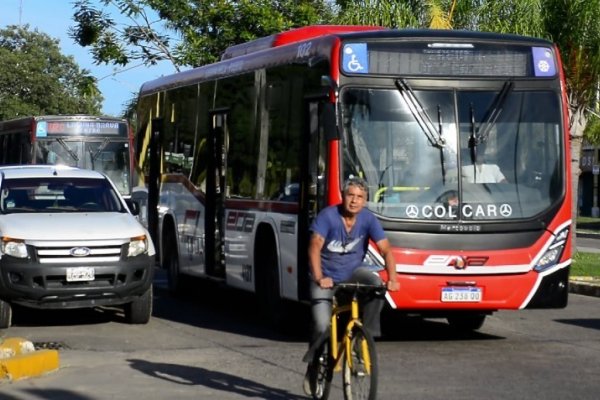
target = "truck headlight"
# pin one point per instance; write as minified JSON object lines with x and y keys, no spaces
{"x":14,"y":247}
{"x":554,"y":251}
{"x":137,"y":245}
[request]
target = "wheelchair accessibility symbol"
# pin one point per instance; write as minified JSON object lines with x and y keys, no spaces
{"x":355,"y":58}
{"x":354,"y":64}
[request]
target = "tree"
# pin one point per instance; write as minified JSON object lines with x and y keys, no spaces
{"x":120,"y":43}
{"x":573,"y":25}
{"x":515,"y":16}
{"x":205,"y":28}
{"x":35,"y":78}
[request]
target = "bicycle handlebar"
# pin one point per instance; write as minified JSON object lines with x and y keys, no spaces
{"x":357,"y":286}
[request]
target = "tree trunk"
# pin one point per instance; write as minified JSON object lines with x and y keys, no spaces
{"x":578,"y":123}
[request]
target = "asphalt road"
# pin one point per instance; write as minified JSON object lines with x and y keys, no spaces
{"x":588,"y":243}
{"x":211,"y":345}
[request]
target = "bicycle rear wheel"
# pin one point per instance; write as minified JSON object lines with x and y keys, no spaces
{"x":322,"y":372}
{"x":360,"y":366}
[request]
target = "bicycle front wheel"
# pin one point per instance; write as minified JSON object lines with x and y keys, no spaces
{"x":360,"y":366}
{"x":322,"y":372}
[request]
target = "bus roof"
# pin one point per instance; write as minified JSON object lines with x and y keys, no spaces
{"x":293,"y":36}
{"x":257,"y":53}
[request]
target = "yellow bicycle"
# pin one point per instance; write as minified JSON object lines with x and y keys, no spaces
{"x":352,"y":350}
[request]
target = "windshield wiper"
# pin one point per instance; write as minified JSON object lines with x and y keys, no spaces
{"x":100,"y":148}
{"x":68,"y":149}
{"x":493,"y":113}
{"x":418,"y":111}
{"x":435,"y":136}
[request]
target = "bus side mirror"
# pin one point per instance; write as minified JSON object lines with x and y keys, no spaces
{"x":133,"y":205}
{"x":327,"y":82}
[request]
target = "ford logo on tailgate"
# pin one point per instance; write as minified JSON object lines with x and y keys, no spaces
{"x":79,"y":251}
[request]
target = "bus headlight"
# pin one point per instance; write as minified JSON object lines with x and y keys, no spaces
{"x":14,"y":247}
{"x":554,"y":251}
{"x":138,"y":245}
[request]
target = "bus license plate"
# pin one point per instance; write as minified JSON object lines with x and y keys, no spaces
{"x":461,"y":294}
{"x":78,"y":274}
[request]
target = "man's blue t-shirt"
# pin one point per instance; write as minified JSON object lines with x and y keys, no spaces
{"x":343,"y":252}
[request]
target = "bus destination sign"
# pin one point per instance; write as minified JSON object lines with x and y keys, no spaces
{"x":448,"y":59}
{"x":79,"y":128}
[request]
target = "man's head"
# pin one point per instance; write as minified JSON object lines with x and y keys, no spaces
{"x":356,"y":182}
{"x":355,"y":193}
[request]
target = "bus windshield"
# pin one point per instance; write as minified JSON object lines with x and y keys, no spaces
{"x":109,"y":157}
{"x":455,"y":154}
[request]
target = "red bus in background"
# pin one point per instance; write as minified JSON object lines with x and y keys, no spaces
{"x":462,"y":137}
{"x":91,"y":142}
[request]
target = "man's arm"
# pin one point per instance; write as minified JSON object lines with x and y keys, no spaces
{"x":390,"y":264}
{"x":314,"y":259}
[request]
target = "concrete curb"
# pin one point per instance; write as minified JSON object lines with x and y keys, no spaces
{"x":20,"y":360}
{"x":588,"y":286}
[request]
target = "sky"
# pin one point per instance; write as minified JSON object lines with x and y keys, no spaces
{"x":54,"y":17}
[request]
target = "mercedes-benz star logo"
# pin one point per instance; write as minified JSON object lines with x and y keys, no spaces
{"x":412,"y":211}
{"x":506,"y":210}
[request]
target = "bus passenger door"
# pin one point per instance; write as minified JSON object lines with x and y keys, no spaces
{"x":312,"y":194}
{"x":215,"y":194}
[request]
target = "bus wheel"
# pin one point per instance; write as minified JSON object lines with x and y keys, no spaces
{"x":466,"y":322}
{"x":267,"y":284}
{"x":171,"y":264}
{"x":5,"y":314}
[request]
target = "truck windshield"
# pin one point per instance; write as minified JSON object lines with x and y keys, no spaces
{"x":43,"y":195}
{"x":490,"y":160}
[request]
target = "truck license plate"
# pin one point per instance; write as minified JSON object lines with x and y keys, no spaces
{"x":461,"y":294}
{"x":78,"y":274}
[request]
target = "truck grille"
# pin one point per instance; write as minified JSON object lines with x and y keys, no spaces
{"x":67,"y":253}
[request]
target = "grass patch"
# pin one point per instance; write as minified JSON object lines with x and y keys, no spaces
{"x":588,"y":224}
{"x":586,"y":264}
{"x":587,"y":220}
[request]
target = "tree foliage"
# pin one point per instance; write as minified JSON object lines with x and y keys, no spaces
{"x":204,"y":28}
{"x":35,"y":78}
{"x":119,"y":43}
{"x":574,"y":26}
{"x":592,"y":130}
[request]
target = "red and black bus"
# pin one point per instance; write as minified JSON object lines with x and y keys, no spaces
{"x":462,"y":137}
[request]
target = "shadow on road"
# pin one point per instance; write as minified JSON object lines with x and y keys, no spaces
{"x":592,"y":323}
{"x":414,"y":328}
{"x":187,"y":375}
{"x":210,"y":305}
{"x":25,"y":316}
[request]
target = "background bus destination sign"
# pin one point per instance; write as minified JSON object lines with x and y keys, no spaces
{"x":75,"y":128}
{"x":447,"y":59}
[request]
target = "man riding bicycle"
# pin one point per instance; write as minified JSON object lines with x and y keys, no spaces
{"x":338,"y":245}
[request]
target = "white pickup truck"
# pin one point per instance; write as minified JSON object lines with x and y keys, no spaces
{"x":68,"y":239}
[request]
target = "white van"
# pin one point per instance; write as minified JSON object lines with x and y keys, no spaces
{"x":70,"y":240}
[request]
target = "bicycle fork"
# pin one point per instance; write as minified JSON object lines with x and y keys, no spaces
{"x":347,"y":338}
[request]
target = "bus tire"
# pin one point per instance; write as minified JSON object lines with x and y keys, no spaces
{"x":5,"y":314}
{"x":171,"y":262}
{"x":139,"y":311}
{"x":466,"y":322}
{"x":270,"y":303}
